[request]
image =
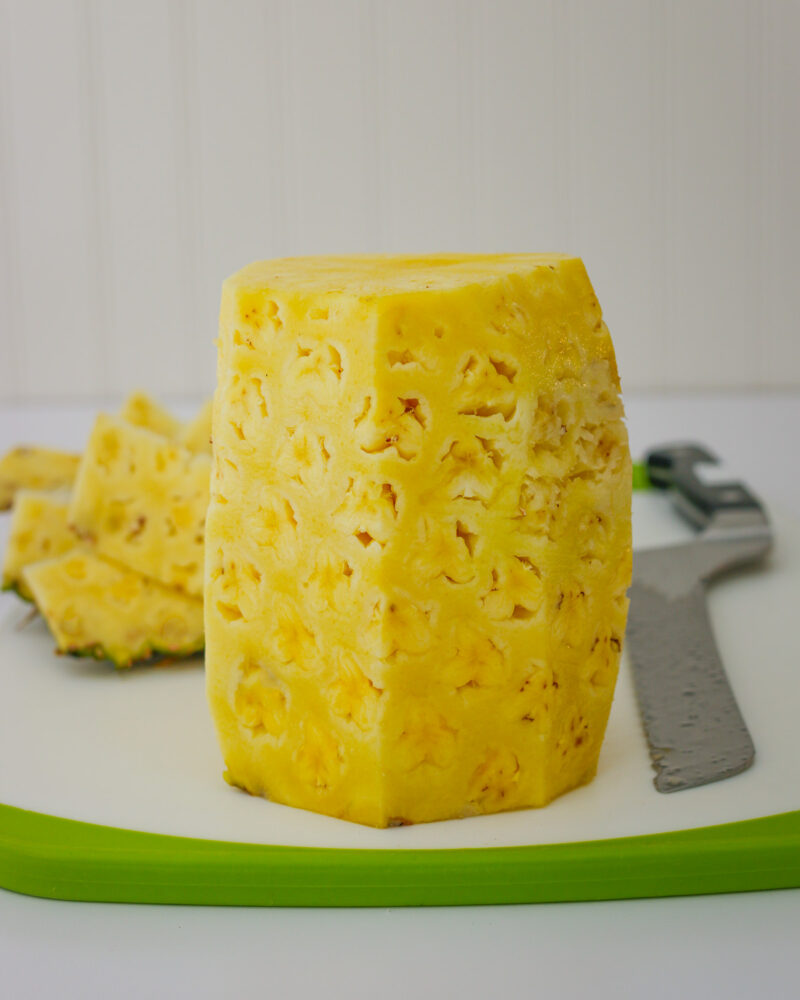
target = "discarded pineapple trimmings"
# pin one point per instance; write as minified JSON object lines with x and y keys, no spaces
{"x":39,"y":530}
{"x":96,"y":608}
{"x":418,"y":542}
{"x":141,"y":500}
{"x":142,"y":410}
{"x":34,"y":468}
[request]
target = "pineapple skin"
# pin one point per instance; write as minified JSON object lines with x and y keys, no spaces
{"x":419,"y":534}
{"x":39,"y":530}
{"x":35,"y":468}
{"x":141,"y":501}
{"x":96,"y":608}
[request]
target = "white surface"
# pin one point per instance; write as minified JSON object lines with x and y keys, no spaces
{"x":149,"y":149}
{"x":136,"y":749}
{"x":732,"y":947}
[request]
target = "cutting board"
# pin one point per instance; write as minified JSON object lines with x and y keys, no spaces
{"x":111,"y":787}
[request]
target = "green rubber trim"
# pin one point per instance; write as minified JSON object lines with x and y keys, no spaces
{"x":641,"y":481}
{"x":57,"y":858}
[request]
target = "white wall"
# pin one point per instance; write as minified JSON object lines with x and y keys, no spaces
{"x":149,"y":148}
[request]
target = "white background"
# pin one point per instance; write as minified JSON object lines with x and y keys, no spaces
{"x":150,"y":148}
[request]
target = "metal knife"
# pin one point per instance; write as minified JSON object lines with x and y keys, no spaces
{"x":694,"y":728}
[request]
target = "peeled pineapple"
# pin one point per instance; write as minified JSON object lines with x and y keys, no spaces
{"x":418,"y":542}
{"x":35,"y":468}
{"x":94,"y":607}
{"x":39,"y":530}
{"x":141,"y":500}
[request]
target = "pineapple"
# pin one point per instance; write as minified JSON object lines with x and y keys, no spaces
{"x":142,"y":411}
{"x":196,"y":433}
{"x":28,"y":467}
{"x":141,"y":501}
{"x":39,"y":530}
{"x":418,"y":541}
{"x":94,"y":607}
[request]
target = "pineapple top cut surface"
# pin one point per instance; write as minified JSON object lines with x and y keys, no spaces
{"x":418,"y":542}
{"x":380,"y":275}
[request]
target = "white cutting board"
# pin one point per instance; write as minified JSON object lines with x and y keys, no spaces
{"x":136,"y":749}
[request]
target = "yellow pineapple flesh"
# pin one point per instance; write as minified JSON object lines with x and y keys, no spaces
{"x":418,"y":542}
{"x":39,"y":530}
{"x":34,"y":468}
{"x":96,"y":608}
{"x":141,"y":501}
{"x":142,"y":410}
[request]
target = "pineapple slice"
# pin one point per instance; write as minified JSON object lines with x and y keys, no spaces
{"x":34,"y":468}
{"x":141,"y":501}
{"x":94,"y":607}
{"x":39,"y":530}
{"x":196,"y":433}
{"x":418,"y":542}
{"x":141,"y":410}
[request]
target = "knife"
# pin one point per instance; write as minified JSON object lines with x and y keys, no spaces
{"x":694,"y":728}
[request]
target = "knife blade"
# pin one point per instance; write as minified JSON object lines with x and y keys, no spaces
{"x":694,"y":727}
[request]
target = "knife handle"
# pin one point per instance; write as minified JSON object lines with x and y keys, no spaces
{"x":672,"y":467}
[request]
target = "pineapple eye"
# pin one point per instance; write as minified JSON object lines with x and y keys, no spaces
{"x":335,"y":362}
{"x":467,"y":537}
{"x":388,"y":493}
{"x":290,"y":514}
{"x":506,"y":410}
{"x":399,"y":358}
{"x":362,"y":415}
{"x":504,"y":369}
{"x":412,"y":407}
{"x":230,"y":612}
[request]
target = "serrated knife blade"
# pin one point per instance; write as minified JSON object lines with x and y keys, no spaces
{"x":694,"y":727}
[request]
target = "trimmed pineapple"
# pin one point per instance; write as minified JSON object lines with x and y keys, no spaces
{"x":39,"y":530}
{"x":418,"y":542}
{"x":141,"y":501}
{"x":34,"y":468}
{"x":94,"y":607}
{"x":196,"y":433}
{"x":141,"y":410}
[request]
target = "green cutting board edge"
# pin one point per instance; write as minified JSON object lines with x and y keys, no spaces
{"x":63,"y":859}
